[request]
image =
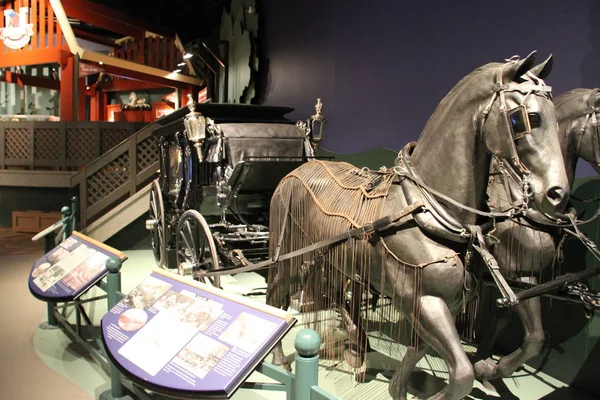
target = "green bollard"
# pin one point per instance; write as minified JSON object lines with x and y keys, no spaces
{"x":307,"y":345}
{"x":113,"y":280}
{"x":74,"y":213}
{"x":66,"y":211}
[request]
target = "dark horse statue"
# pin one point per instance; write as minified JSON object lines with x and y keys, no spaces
{"x":404,"y":244}
{"x":526,"y":248}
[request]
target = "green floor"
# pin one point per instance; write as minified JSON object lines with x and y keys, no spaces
{"x":66,"y":358}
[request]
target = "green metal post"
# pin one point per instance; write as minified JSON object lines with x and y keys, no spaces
{"x":74,"y":212}
{"x":66,"y":212}
{"x":49,"y":243}
{"x":307,"y":345}
{"x":113,"y":280}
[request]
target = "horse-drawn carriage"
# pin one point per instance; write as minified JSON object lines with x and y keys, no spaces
{"x":219,"y":165}
{"x":407,"y":233}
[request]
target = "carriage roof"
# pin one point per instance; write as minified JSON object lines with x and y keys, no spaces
{"x":225,"y":113}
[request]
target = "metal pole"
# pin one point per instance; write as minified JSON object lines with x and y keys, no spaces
{"x":307,"y":346}
{"x":74,"y":212}
{"x":113,"y":280}
{"x":49,"y":243}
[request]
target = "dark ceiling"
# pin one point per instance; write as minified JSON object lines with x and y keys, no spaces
{"x":191,"y":19}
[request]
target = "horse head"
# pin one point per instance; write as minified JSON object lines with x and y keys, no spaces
{"x":519,"y":126}
{"x":577,"y":112}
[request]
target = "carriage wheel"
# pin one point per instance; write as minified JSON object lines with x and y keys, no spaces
{"x":156,"y":224}
{"x":195,"y":246}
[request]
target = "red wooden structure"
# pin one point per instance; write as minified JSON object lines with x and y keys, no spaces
{"x":141,"y":57}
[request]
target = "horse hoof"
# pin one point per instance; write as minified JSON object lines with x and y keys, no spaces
{"x":479,"y":369}
{"x":354,"y":359}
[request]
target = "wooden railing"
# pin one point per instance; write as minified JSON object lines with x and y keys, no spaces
{"x":59,"y":145}
{"x":116,"y":175}
{"x":158,"y":52}
{"x":46,"y":30}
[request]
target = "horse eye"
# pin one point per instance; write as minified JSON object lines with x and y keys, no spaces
{"x":535,"y":120}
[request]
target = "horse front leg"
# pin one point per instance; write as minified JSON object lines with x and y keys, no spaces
{"x":278,"y":295}
{"x":399,"y":382}
{"x":357,"y":346}
{"x":435,"y":326}
{"x":484,"y":365}
{"x":530,"y":314}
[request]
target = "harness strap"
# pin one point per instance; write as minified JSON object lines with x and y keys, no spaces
{"x":361,"y":232}
{"x":419,"y":182}
{"x":508,"y":295}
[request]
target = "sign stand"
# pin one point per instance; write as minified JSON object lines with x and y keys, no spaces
{"x":299,"y":386}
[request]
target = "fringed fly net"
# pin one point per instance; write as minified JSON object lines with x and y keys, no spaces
{"x":320,"y":200}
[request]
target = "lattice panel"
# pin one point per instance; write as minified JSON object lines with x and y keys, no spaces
{"x":47,"y":143}
{"x":108,"y":179}
{"x":109,"y":138}
{"x":147,"y":153}
{"x":17,"y":143}
{"x":80,"y":144}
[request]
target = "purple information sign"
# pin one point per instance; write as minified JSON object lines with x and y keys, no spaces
{"x":70,"y":269}
{"x":183,"y":338}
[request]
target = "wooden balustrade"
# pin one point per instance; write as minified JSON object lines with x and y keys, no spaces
{"x":117,"y":174}
{"x":158,"y":52}
{"x":46,"y":30}
{"x":59,"y":145}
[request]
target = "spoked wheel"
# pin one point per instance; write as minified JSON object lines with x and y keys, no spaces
{"x":156,"y":224}
{"x":195,"y":246}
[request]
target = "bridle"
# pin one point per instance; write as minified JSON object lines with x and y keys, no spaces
{"x":590,"y":117}
{"x":517,"y":125}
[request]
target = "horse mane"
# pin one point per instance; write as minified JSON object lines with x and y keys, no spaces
{"x":451,"y":95}
{"x":575,"y":107}
{"x":567,"y":96}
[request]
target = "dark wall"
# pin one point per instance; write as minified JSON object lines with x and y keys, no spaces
{"x":381,"y":67}
{"x":27,"y":198}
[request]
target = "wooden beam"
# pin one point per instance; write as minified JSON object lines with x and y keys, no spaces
{"x":29,"y":80}
{"x":83,"y":13}
{"x":81,"y":100}
{"x":93,"y":38}
{"x":144,"y":77}
{"x":67,"y":95}
{"x":132,"y":22}
{"x":127,"y":85}
{"x":32,"y":57}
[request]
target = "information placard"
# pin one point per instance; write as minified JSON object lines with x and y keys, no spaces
{"x":187,"y":339}
{"x":70,"y":269}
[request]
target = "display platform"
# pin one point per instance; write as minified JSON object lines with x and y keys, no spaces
{"x":70,"y":269}
{"x":186,"y":339}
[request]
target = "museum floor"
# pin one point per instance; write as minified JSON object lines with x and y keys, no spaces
{"x":45,"y":364}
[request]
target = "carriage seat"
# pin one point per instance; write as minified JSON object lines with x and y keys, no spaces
{"x":259,"y":141}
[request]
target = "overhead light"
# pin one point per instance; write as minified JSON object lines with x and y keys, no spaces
{"x":100,"y":62}
{"x":177,"y":70}
{"x":181,"y":64}
{"x":87,"y":88}
{"x":187,"y":55}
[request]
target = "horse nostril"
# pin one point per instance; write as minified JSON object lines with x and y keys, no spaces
{"x":555,"y":195}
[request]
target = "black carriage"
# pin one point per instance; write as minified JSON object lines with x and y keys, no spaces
{"x":219,"y":166}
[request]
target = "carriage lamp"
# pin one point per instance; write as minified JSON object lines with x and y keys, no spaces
{"x":194,"y":122}
{"x":317,"y":124}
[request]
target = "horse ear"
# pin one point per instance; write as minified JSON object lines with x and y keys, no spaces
{"x":543,"y":70}
{"x":519,"y":68}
